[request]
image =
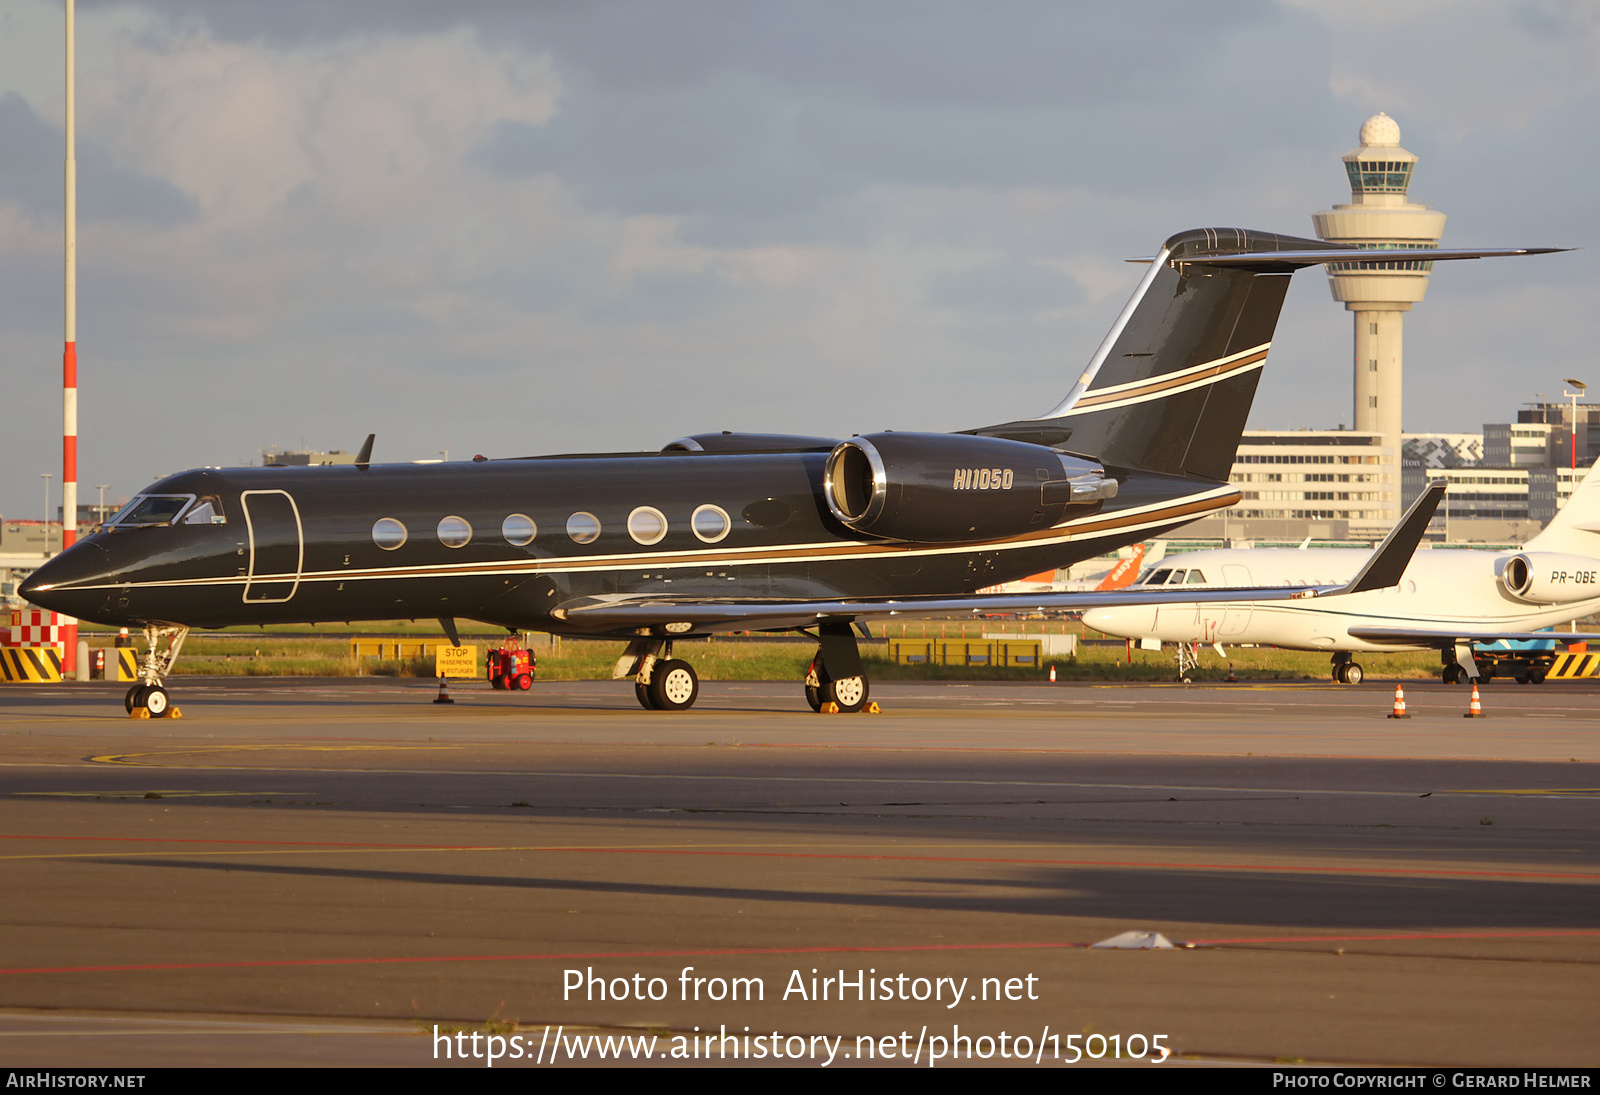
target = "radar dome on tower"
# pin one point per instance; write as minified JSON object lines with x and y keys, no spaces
{"x":1380,"y":129}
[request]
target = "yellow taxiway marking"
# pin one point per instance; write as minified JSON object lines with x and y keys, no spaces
{"x":132,"y":758}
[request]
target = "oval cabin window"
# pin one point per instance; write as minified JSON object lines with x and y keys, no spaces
{"x":454,"y":532}
{"x":584,"y":528}
{"x":647,"y":525}
{"x":710,"y":523}
{"x":388,"y":534}
{"x":519,"y":529}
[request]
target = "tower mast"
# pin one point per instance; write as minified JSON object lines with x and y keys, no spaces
{"x":1380,"y":218}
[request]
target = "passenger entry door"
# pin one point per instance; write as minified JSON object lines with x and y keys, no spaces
{"x":276,"y":546}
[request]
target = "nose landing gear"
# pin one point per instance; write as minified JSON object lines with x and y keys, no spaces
{"x":149,"y":694}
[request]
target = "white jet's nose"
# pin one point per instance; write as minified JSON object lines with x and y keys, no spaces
{"x":1128,"y":623}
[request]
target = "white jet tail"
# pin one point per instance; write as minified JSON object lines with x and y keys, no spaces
{"x":1575,"y":529}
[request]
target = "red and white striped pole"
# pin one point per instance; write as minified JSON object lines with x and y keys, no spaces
{"x":69,"y":358}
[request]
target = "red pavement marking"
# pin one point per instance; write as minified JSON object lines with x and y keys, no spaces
{"x":1015,"y":861}
{"x":745,"y":952}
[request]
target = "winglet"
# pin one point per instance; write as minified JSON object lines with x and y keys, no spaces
{"x":1389,"y":562}
{"x":364,"y":457}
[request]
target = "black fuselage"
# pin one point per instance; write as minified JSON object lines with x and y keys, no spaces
{"x":299,"y":544}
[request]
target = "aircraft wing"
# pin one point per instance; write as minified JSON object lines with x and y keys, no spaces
{"x":1383,"y":569}
{"x":1420,"y":637}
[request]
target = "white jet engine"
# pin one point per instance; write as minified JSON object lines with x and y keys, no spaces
{"x":1546,"y":578}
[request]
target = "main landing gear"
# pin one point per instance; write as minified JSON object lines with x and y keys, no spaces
{"x":149,"y":693}
{"x":660,"y":681}
{"x":1346,"y":670}
{"x":664,"y":683}
{"x":835,"y":674}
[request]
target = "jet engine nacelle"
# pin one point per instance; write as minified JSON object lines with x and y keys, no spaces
{"x":947,"y":488}
{"x":1547,"y":578}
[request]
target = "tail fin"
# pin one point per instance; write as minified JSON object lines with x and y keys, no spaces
{"x":1122,"y":575}
{"x":1575,"y":529}
{"x":1171,"y":386}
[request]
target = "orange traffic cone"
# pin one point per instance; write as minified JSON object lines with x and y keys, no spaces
{"x":1231,"y":678}
{"x":444,"y":691}
{"x":1052,"y":674}
{"x":1475,"y":708}
{"x":1399,"y":711}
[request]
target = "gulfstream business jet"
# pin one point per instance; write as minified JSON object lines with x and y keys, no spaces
{"x":1446,"y":600}
{"x":734,"y":531}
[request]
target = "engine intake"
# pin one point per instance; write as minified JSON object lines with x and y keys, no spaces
{"x":1547,"y":578}
{"x":948,"y":488}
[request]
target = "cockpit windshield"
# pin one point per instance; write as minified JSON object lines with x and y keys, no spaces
{"x":151,"y":509}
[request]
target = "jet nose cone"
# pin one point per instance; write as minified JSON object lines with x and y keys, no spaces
{"x":54,"y":585}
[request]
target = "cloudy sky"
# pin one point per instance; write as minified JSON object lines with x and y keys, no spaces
{"x":515,"y":227}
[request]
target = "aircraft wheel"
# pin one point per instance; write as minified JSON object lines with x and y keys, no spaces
{"x":642,"y":693}
{"x":1351,"y":673}
{"x":155,"y":701}
{"x":816,"y":693}
{"x":814,"y":697}
{"x":850,"y":693}
{"x":673,"y":686}
{"x":1453,"y":674}
{"x":525,"y":681}
{"x":132,"y":699}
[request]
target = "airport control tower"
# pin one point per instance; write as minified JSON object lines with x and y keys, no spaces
{"x":1379,"y":218}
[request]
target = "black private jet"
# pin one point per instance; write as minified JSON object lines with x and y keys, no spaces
{"x":738,"y":531}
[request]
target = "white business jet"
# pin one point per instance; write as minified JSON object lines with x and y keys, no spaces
{"x":1447,"y":600}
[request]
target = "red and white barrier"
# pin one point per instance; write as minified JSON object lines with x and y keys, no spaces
{"x":34,"y":627}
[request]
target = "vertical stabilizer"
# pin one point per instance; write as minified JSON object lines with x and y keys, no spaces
{"x":1575,"y":529}
{"x":1171,"y":386}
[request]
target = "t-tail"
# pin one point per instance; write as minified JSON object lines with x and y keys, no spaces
{"x":1170,"y":388}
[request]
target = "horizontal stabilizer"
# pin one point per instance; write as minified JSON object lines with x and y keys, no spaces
{"x":1262,"y":261}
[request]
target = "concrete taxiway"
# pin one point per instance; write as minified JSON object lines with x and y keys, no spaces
{"x":322,"y":871}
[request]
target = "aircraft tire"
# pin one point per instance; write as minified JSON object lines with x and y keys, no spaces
{"x":814,"y":698}
{"x":130,"y":701}
{"x":1453,"y":674}
{"x":673,"y":686}
{"x":155,"y":701}
{"x":816,"y":693}
{"x":1352,"y":673}
{"x":642,"y":693}
{"x":850,"y":693}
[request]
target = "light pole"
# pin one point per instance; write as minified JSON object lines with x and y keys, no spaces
{"x":46,"y":477}
{"x":1582,"y":387}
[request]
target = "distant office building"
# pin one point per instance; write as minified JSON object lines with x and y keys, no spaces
{"x":1542,"y":436}
{"x":1441,"y":450}
{"x":1326,"y":484}
{"x":1499,"y":504}
{"x":276,"y":458}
